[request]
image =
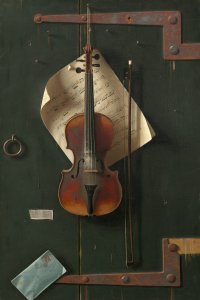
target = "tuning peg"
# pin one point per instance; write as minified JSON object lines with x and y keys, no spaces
{"x":79,"y":70}
{"x":96,"y":56}
{"x":96,"y":65}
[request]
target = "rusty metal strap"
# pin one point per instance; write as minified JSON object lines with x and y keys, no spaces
{"x":173,"y":48}
{"x":169,"y":276}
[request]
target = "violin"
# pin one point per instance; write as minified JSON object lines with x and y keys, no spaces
{"x":89,"y":188}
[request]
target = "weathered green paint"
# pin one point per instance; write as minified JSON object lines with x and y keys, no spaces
{"x":166,"y":171}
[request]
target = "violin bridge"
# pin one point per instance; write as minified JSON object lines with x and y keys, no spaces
{"x":91,"y":171}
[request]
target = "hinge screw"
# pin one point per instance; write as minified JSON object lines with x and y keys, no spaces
{"x":125,"y":279}
{"x":173,"y":247}
{"x":174,"y":49}
{"x":171,"y":278}
{"x":38,"y":18}
{"x":85,"y":279}
{"x":173,"y":20}
{"x":83,"y":18}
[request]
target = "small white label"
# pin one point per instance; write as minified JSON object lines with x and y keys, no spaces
{"x":41,"y":214}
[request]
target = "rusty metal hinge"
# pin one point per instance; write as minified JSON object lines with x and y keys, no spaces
{"x":173,"y":48}
{"x":169,"y":276}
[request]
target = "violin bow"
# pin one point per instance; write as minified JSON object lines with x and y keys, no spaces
{"x":128,"y":213}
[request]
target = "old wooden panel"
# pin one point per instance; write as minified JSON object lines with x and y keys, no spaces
{"x":166,"y":172}
{"x":31,"y":182}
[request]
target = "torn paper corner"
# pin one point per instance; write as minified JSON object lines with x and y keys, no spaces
{"x":64,"y":97}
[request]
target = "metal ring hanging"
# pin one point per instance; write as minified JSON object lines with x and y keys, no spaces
{"x":7,"y":146}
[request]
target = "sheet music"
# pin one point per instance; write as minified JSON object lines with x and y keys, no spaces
{"x":64,"y":98}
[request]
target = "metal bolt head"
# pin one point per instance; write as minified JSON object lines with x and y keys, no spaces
{"x":38,"y":18}
{"x":174,"y":49}
{"x":171,"y":278}
{"x":85,"y":279}
{"x":173,"y":247}
{"x":125,"y":279}
{"x":173,"y":20}
{"x":130,"y":19}
{"x":83,"y":18}
{"x":140,"y":44}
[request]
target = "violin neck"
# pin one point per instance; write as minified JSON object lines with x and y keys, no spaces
{"x":89,"y":128}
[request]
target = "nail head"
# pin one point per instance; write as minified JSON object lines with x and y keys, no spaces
{"x":84,"y":18}
{"x":85,"y":279}
{"x":38,"y":19}
{"x":174,"y":49}
{"x":171,"y":278}
{"x":173,"y":20}
{"x":125,"y":279}
{"x":173,"y":247}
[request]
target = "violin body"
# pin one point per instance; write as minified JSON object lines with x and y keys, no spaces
{"x":89,"y":187}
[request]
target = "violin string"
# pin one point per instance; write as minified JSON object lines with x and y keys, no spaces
{"x":89,"y":88}
{"x":91,"y":97}
{"x":88,"y":81}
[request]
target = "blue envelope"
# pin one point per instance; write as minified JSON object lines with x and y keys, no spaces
{"x":39,"y":275}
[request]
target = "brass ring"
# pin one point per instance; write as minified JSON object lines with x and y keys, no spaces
{"x":7,"y":143}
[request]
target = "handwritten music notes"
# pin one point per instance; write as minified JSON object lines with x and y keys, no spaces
{"x":64,"y":98}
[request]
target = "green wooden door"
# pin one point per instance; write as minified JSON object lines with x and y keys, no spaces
{"x":166,"y":194}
